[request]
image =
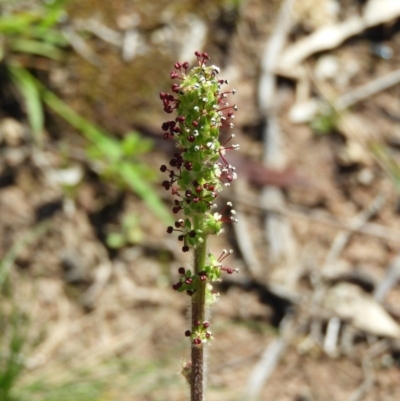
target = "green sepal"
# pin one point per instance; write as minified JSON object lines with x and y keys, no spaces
{"x":188,"y":224}
{"x":212,"y":226}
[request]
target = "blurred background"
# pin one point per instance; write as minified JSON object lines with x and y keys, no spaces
{"x":87,"y":312}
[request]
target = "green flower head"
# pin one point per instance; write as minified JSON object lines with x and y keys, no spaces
{"x":199,"y":169}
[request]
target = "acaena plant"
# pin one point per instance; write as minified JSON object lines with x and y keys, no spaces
{"x":198,"y":172}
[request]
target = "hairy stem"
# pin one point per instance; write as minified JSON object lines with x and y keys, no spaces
{"x":198,"y":315}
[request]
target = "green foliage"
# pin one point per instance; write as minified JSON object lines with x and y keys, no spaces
{"x":23,"y":81}
{"x":13,"y":320}
{"x":325,"y":122}
{"x":78,"y":390}
{"x":13,"y":336}
{"x":32,"y":32}
{"x":36,"y":32}
{"x":113,"y":153}
{"x":130,"y":232}
{"x":7,"y":262}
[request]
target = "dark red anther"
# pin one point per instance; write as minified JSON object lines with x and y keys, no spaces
{"x":185,"y":248}
{"x":185,"y":65}
{"x":166,"y":185}
{"x":205,"y":56}
{"x":174,"y":75}
{"x":180,"y":119}
{"x":192,"y":234}
{"x":174,"y":191}
{"x":195,"y":123}
{"x":188,"y":333}
{"x":170,"y":229}
{"x":177,"y":65}
{"x":181,"y":237}
{"x":179,"y":158}
{"x":199,"y":189}
{"x":206,"y":325}
{"x":191,"y":138}
{"x":175,"y":88}
{"x":197,"y":53}
{"x":188,"y":166}
{"x":163,"y":168}
{"x":181,"y":270}
{"x":197,"y":341}
{"x":188,"y":193}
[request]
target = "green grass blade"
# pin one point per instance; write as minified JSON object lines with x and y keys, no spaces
{"x":16,"y":24}
{"x":109,"y":147}
{"x":29,"y":90}
{"x":7,"y":262}
{"x":112,"y":151}
{"x":47,"y":35}
{"x":132,"y":177}
{"x":36,"y":47}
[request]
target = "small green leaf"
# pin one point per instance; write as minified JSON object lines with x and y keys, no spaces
{"x":133,"y":144}
{"x":115,"y":240}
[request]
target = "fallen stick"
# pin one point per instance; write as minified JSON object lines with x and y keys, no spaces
{"x":355,"y":223}
{"x":376,"y":12}
{"x":282,"y":245}
{"x":365,"y":91}
{"x":391,"y":278}
{"x":268,"y":361}
{"x":372,"y":229}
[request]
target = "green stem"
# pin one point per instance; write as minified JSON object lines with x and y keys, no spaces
{"x":198,"y":315}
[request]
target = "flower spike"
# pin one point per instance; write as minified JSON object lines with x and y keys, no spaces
{"x":197,"y":173}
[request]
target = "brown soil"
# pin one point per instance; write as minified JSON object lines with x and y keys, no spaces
{"x":108,"y":318}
